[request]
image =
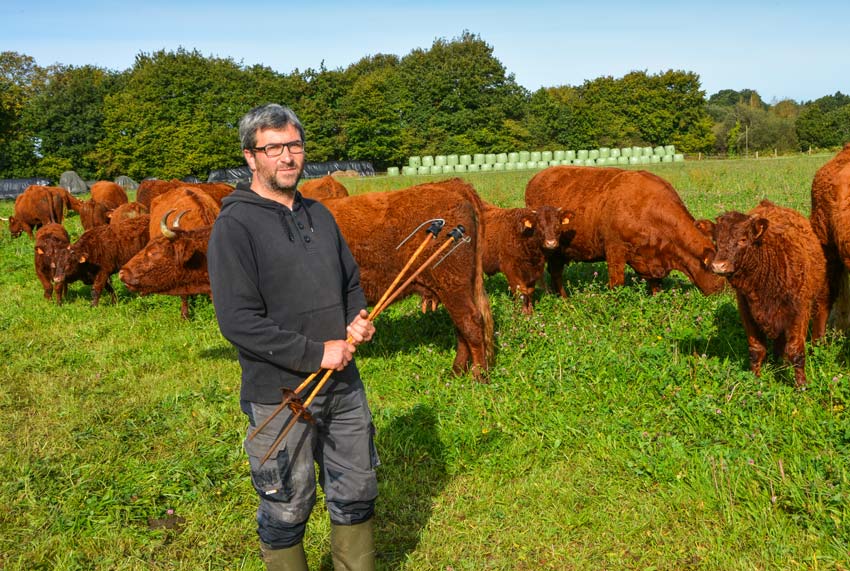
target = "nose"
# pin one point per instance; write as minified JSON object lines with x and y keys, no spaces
{"x":722,"y":267}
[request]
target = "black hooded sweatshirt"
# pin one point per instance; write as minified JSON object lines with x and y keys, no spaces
{"x":283,"y":282}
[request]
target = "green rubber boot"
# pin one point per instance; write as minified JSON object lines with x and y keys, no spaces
{"x":286,"y":559}
{"x":353,"y":546}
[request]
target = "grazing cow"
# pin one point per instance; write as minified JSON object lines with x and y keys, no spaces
{"x":199,"y":208}
{"x":51,"y":251}
{"x":830,"y":218}
{"x":108,"y":193}
{"x":151,"y":188}
{"x":516,"y":241}
{"x":105,"y":249}
{"x":34,"y":208}
{"x":92,"y":213}
{"x":322,"y":188}
{"x":774,"y":261}
{"x":61,"y":201}
{"x":623,"y":217}
{"x":127,"y":210}
{"x":374,"y":224}
{"x":173,"y":263}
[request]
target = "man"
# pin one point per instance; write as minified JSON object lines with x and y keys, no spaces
{"x":287,"y":294}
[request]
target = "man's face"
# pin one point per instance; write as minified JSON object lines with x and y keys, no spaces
{"x":278,"y":174}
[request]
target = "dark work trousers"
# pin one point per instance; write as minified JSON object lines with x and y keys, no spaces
{"x":341,"y":444}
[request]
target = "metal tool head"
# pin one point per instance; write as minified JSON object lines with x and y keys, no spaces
{"x":434,"y":229}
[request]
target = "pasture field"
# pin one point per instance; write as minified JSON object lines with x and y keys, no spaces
{"x":618,"y":430}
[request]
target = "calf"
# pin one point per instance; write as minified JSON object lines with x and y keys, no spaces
{"x":775,"y":263}
{"x":105,"y":249}
{"x":516,"y":241}
{"x":51,"y":251}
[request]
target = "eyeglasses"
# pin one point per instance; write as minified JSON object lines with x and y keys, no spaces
{"x":276,"y":149}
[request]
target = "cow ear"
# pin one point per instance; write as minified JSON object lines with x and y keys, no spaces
{"x":707,"y":257}
{"x":705,"y":226}
{"x":759,"y":226}
{"x":39,"y":251}
{"x":527,"y":226}
{"x":82,"y":259}
{"x":566,"y":216}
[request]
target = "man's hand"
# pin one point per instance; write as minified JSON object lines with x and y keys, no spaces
{"x":361,"y":329}
{"x":338,"y":354}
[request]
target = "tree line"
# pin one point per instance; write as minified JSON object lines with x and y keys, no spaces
{"x":175,"y":113}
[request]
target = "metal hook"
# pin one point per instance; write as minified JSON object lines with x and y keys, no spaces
{"x":460,"y":242}
{"x":434,"y":229}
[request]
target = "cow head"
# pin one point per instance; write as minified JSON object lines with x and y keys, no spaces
{"x":553,"y":224}
{"x":733,"y":234}
{"x":16,"y":227}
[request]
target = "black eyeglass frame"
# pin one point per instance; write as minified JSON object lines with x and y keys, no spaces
{"x":297,"y":150}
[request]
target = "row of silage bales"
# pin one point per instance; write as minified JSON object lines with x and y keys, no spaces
{"x":526,"y":160}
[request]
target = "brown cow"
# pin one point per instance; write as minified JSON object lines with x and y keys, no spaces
{"x":774,"y":261}
{"x":51,"y":250}
{"x":151,"y":188}
{"x":516,"y":241}
{"x":199,"y":208}
{"x":127,"y":210}
{"x":830,"y":219}
{"x":108,"y":193}
{"x":322,"y":188}
{"x":374,"y":224}
{"x":622,"y":217}
{"x":173,"y":263}
{"x":105,"y":249}
{"x":34,"y":208}
{"x":92,"y":213}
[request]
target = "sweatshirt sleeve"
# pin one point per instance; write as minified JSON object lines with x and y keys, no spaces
{"x":239,"y":306}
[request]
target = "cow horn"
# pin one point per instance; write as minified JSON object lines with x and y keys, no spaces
{"x":177,"y":220}
{"x":4,"y":219}
{"x":163,"y":226}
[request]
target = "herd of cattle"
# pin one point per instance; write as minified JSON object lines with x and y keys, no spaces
{"x":786,"y":270}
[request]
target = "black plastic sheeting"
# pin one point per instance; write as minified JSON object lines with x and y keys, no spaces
{"x":12,"y":187}
{"x":311,"y":170}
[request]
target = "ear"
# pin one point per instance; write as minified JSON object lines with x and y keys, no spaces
{"x":707,"y":257}
{"x":39,"y":251}
{"x":250,"y":159}
{"x":566,"y":216}
{"x":758,"y":227}
{"x":705,"y":226}
{"x":527,"y":226}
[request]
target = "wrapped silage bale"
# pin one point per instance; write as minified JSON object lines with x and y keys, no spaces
{"x":553,"y":163}
{"x":626,"y":152}
{"x":546,"y":156}
{"x":531,"y":164}
{"x":604,"y":152}
{"x":654,"y":159}
{"x":392,"y":171}
{"x":486,"y":167}
{"x":474,"y":167}
{"x":422,"y":169}
{"x":466,"y":160}
{"x":570,"y":156}
{"x":636,"y":151}
{"x":490,"y":159}
{"x":461,"y":168}
{"x":513,"y":157}
{"x":478,"y":159}
{"x":427,"y":161}
{"x":501,"y":158}
{"x":452,"y":160}
{"x":566,"y":162}
{"x":578,"y":162}
{"x":440,"y":161}
{"x":535,"y":156}
{"x":647,"y":151}
{"x":623,"y":160}
{"x":658,"y":151}
{"x":678,"y":158}
{"x":669,"y":149}
{"x":511,"y":166}
{"x":558,"y":155}
{"x":437,"y":169}
{"x":633,"y":160}
{"x":593,"y":154}
{"x":414,"y":161}
{"x":582,"y":154}
{"x":588,"y":162}
{"x":644,"y":160}
{"x":499,"y":166}
{"x":667,"y":159}
{"x":542,"y":164}
{"x":524,"y":156}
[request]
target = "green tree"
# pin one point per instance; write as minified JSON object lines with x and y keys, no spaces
{"x":459,"y":95}
{"x":66,"y":116}
{"x":176,"y":115}
{"x":20,"y":78}
{"x":825,"y":122}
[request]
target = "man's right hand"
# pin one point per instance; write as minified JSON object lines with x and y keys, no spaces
{"x":338,"y":353}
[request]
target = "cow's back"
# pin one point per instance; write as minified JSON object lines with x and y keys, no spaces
{"x":200,"y":209}
{"x":322,"y":188}
{"x":830,"y":213}
{"x":108,"y":193}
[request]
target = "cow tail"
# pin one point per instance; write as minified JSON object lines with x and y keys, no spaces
{"x":482,"y":302}
{"x":839,"y":317}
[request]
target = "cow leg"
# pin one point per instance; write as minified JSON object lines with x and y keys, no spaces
{"x":47,"y":285}
{"x":184,"y":306}
{"x":61,"y":290}
{"x":653,"y":285}
{"x":469,"y":326}
{"x":756,"y":340}
{"x":616,"y":260}
{"x":795,"y":351}
{"x":555,"y":264}
{"x":820,"y":313}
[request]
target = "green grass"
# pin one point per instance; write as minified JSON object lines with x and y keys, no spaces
{"x":618,"y":430}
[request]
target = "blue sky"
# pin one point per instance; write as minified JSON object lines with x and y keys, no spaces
{"x":782,"y":49}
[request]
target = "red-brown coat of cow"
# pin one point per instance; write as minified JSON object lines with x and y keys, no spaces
{"x":110,"y":194}
{"x":125,"y":211}
{"x":623,"y":217}
{"x":106,"y":248}
{"x":200,"y":209}
{"x":322,"y":188}
{"x":151,"y":188}
{"x":51,"y":251}
{"x":774,"y":261}
{"x":374,"y":224}
{"x":830,"y":219}
{"x":34,"y":208}
{"x":516,"y":241}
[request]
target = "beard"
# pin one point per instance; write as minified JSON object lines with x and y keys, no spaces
{"x":284,"y":187}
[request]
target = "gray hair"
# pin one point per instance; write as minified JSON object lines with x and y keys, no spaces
{"x":268,"y":116}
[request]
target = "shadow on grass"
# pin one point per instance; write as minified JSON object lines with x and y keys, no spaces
{"x":412,"y":473}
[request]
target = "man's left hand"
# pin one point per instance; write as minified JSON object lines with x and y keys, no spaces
{"x":361,"y":329}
